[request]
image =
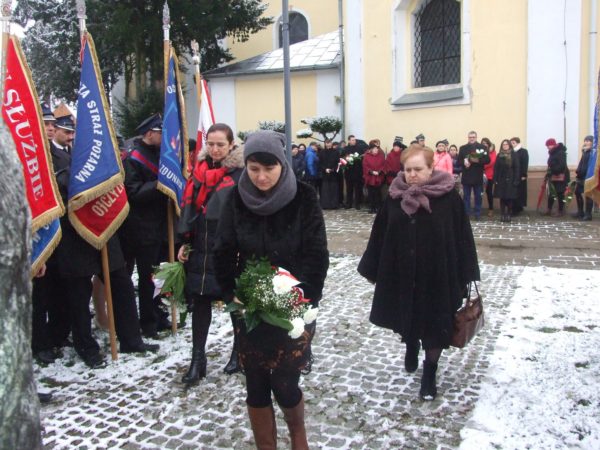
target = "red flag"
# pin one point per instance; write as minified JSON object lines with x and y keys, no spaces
{"x":22,"y":115}
{"x":205,"y":120}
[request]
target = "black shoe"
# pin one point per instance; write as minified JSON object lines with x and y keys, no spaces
{"x":163,"y":324}
{"x":45,"y":356}
{"x":586,"y":217}
{"x":347,"y":206}
{"x":94,"y":360}
{"x":411,"y":357}
{"x":197,"y":368}
{"x":578,"y":215}
{"x":233,"y":365}
{"x":140,"y":348}
{"x":428,"y":390}
{"x":45,"y":397}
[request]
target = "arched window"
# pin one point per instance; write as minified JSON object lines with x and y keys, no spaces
{"x":437,"y":43}
{"x":298,"y":28}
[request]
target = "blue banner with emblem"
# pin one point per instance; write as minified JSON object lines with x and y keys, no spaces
{"x":592,"y":179}
{"x":43,"y":242}
{"x":172,"y":166}
{"x":95,"y":159}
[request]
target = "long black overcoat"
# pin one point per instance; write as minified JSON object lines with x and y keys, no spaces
{"x":507,"y":176}
{"x":421,"y":265}
{"x":293,"y":238}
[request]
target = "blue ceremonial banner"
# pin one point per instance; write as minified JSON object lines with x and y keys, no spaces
{"x":97,"y":199}
{"x":95,"y":160}
{"x":592,"y":178}
{"x":44,"y":241}
{"x":172,"y":166}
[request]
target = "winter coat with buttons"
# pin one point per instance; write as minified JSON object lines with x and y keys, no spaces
{"x":421,"y":266}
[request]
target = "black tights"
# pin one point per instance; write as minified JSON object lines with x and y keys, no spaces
{"x":201,"y":318}
{"x":283,"y":383}
{"x":432,"y":355}
{"x":561,"y":200}
{"x":489,"y":192}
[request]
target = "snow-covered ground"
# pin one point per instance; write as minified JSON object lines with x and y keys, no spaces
{"x":542,"y":385}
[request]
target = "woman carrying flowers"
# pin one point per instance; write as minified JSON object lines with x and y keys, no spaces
{"x":271,"y":215}
{"x":421,"y":256}
{"x":373,"y":174}
{"x":219,"y":166}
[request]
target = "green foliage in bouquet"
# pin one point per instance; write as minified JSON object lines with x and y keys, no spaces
{"x":174,"y":276}
{"x":254,"y":288}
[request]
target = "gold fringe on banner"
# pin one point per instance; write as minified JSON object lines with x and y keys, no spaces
{"x":59,"y":210}
{"x":35,"y":267}
{"x":99,"y":241}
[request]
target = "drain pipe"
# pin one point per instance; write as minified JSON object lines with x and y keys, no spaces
{"x":592,"y":61}
{"x":342,"y":69}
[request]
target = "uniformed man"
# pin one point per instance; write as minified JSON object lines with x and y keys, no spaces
{"x":78,"y":261}
{"x":145,"y":230}
{"x":49,"y":120}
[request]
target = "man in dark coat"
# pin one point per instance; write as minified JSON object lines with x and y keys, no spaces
{"x":473,"y":156}
{"x":353,"y":172}
{"x":580,"y":175}
{"x":523,"y":156}
{"x":145,"y":229}
{"x":77,"y":261}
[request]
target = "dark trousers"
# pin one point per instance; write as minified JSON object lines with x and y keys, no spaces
{"x":489,"y":193}
{"x":374,"y":197}
{"x":126,"y":319}
{"x":50,"y":324}
{"x":283,"y":384}
{"x":589,"y":204}
{"x":477,"y":194}
{"x":146,"y":257}
{"x":354,"y":193}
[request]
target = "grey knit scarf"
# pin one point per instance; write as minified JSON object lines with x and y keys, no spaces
{"x":267,"y":203}
{"x":415,"y":196}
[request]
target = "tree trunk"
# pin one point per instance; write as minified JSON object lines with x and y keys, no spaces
{"x":19,"y":405}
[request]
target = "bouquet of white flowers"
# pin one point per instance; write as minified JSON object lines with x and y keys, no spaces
{"x":271,"y":294}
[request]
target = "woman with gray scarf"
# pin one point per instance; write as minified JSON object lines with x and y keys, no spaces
{"x":421,"y":256}
{"x":271,"y":214}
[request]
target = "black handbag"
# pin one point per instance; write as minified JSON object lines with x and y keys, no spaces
{"x":469,"y":319}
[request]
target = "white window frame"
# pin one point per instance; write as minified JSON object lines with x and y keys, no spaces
{"x":277,"y":23}
{"x":404,"y":94}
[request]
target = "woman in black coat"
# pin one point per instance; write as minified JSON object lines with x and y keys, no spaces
{"x":421,"y":256}
{"x":328,"y":163}
{"x":271,"y":214}
{"x":580,"y":174}
{"x":507,"y":173}
{"x":218,"y":167}
{"x":557,"y":176}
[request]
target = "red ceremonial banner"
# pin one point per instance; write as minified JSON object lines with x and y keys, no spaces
{"x":22,"y":114}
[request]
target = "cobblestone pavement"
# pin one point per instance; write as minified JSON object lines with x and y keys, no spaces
{"x":357,"y":396}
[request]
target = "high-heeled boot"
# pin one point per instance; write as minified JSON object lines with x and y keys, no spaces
{"x":428,"y":390}
{"x":233,"y":365}
{"x":411,"y":357}
{"x":262,"y":421}
{"x":294,"y":417}
{"x":197,"y":368}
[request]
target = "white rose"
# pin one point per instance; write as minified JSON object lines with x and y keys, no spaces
{"x":298,"y":329}
{"x":310,"y":315}
{"x":283,"y":284}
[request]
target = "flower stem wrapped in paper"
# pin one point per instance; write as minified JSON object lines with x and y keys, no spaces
{"x":270,"y":294}
{"x":169,"y":283}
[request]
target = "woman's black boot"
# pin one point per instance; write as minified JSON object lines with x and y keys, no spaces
{"x":197,"y":368}
{"x":428,"y":384}
{"x":411,"y":358}
{"x":233,"y":365}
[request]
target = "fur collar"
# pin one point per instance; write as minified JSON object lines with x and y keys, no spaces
{"x":235,"y":159}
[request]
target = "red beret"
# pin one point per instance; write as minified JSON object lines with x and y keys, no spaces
{"x":551,"y":142}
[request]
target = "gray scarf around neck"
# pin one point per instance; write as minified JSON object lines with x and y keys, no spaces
{"x":265,"y":204}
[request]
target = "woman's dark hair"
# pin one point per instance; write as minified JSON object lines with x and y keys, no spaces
{"x":485,"y":141}
{"x":224,"y":128}
{"x":266,"y":159}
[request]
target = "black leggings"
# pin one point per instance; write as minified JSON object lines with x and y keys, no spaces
{"x":489,"y":192}
{"x":283,"y":383}
{"x":506,"y":206}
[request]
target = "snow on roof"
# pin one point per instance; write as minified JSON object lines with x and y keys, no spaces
{"x":322,"y":52}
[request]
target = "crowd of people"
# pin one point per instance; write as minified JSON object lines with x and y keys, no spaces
{"x":246,"y":202}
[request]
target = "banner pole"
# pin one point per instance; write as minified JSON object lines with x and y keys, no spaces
{"x":197,"y":74}
{"x":5,"y":17}
{"x":170,"y":212}
{"x":109,"y":304}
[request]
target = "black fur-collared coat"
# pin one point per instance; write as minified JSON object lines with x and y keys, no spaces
{"x":421,"y":266}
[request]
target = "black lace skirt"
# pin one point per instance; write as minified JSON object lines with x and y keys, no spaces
{"x":267,"y":347}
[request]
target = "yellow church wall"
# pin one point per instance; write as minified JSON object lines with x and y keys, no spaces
{"x":586,"y":112}
{"x":498,"y":79}
{"x":322,"y":18}
{"x":261,"y":98}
